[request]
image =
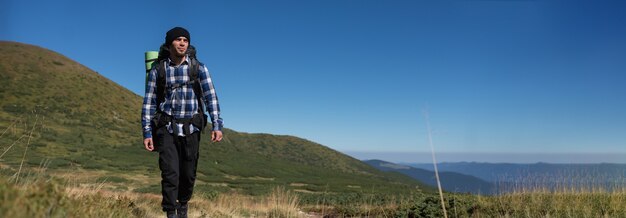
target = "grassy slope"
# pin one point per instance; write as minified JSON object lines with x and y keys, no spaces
{"x":86,"y":121}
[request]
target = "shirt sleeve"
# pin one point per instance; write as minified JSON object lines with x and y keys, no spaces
{"x":149,"y":104}
{"x":210,"y":98}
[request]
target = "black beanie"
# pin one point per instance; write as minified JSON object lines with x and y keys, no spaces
{"x":175,"y":33}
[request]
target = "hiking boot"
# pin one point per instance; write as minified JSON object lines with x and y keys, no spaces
{"x":171,"y":214}
{"x":182,"y":211}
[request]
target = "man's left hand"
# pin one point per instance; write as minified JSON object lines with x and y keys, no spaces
{"x":216,"y":136}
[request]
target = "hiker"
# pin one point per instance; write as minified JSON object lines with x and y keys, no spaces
{"x":177,"y":89}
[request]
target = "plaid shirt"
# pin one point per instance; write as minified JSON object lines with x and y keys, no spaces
{"x":180,"y":102}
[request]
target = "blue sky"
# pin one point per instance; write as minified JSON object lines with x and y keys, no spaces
{"x":515,"y":77}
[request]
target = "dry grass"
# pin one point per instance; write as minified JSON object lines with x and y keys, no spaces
{"x":567,"y":202}
{"x":279,"y":203}
{"x":39,"y":196}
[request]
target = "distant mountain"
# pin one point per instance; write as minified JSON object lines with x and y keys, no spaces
{"x":88,"y":122}
{"x":450,"y":181}
{"x":508,"y":177}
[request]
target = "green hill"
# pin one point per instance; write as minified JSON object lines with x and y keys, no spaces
{"x":88,"y":127}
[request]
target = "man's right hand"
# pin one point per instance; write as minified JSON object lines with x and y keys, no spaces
{"x":148,"y":144}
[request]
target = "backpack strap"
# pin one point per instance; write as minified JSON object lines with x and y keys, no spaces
{"x":197,"y":89}
{"x":194,"y":68}
{"x":160,"y":84}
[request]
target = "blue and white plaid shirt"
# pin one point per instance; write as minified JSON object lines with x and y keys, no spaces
{"x":180,"y":102}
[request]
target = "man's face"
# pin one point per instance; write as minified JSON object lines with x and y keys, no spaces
{"x":179,"y":46}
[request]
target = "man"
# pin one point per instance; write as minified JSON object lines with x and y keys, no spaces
{"x":172,"y":118}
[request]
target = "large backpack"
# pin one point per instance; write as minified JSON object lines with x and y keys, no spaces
{"x":161,"y":88}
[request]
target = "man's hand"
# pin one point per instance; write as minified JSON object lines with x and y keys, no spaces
{"x":216,"y":136}
{"x":148,"y":144}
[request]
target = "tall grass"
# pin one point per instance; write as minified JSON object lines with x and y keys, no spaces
{"x":30,"y":136}
{"x":13,"y":128}
{"x":432,"y":149}
{"x":555,"y":204}
{"x":282,"y":203}
{"x":563,"y":195}
{"x":278,"y":203}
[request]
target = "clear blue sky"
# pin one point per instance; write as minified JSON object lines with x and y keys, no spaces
{"x":355,"y":75}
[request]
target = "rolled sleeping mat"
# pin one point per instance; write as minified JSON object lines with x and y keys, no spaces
{"x":151,"y":58}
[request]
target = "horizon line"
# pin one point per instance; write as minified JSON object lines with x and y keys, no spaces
{"x":494,"y":157}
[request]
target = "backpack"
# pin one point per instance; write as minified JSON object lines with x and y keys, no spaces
{"x":161,"y":89}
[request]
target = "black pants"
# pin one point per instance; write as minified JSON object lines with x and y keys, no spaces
{"x":178,"y":160}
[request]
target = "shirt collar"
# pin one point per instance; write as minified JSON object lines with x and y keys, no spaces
{"x":186,"y":61}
